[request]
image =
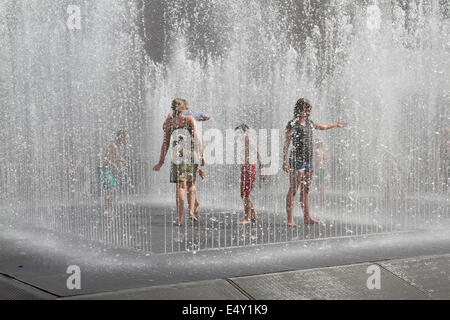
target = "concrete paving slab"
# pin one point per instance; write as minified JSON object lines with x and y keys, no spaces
{"x":11,"y":289}
{"x":336,"y":283}
{"x":203,"y":290}
{"x":431,"y":275}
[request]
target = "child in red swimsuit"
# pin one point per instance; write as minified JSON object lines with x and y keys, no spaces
{"x":248,"y":178}
{"x":248,"y":172}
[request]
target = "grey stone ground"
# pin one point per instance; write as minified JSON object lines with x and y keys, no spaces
{"x":413,"y":278}
{"x":412,"y":265}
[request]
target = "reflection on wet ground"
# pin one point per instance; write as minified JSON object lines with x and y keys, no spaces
{"x":151,"y":228}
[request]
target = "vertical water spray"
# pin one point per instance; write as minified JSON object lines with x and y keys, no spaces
{"x":67,"y":86}
{"x":376,"y":65}
{"x":72,"y":76}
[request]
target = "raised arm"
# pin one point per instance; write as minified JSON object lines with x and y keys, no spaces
{"x":193,"y":128}
{"x":287,"y":143}
{"x":79,"y":161}
{"x":339,"y":124}
{"x":200,"y":116}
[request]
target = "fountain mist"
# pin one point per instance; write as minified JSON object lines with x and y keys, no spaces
{"x":380,"y":65}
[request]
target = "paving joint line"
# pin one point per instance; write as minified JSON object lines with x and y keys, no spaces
{"x":427,"y":295}
{"x":241,"y":290}
{"x":7,"y":276}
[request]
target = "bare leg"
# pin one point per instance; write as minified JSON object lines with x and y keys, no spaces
{"x":322,"y":193}
{"x":293,"y":186}
{"x":302,"y":192}
{"x":197,"y":203}
{"x":252,"y":208}
{"x":304,"y":197}
{"x":192,"y":192}
{"x":247,"y":208}
{"x":181,"y":189}
{"x":107,"y":209}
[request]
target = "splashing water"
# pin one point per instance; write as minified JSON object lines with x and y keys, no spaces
{"x":382,"y":67}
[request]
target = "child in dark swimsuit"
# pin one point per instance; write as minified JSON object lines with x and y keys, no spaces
{"x":299,"y":165}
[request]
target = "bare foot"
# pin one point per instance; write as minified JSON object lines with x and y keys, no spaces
{"x":292,"y":224}
{"x":202,"y":174}
{"x":309,"y":220}
{"x":178,"y":224}
{"x":112,"y":215}
{"x":108,"y":214}
{"x":193,"y":218}
{"x":255,"y":218}
{"x":244,"y":222}
{"x":196,"y":208}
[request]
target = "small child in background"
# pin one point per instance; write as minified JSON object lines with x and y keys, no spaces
{"x":109,"y":168}
{"x":248,"y":173}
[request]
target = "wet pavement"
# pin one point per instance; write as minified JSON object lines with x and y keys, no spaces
{"x":150,"y":228}
{"x":413,"y":265}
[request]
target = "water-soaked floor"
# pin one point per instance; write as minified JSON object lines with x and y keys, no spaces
{"x":41,"y":258}
{"x":151,"y":229}
{"x":219,"y":229}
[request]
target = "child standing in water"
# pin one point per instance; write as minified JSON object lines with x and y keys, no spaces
{"x":109,"y":168}
{"x":201,"y":117}
{"x":300,"y":167}
{"x":187,"y":155}
{"x":248,"y":172}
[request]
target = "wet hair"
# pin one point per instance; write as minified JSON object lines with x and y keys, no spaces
{"x":178,"y":103}
{"x":301,"y":106}
{"x":242,"y":127}
{"x":122,"y":133}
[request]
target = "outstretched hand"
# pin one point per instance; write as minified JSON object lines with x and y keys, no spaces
{"x":341,"y":124}
{"x":157,"y":167}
